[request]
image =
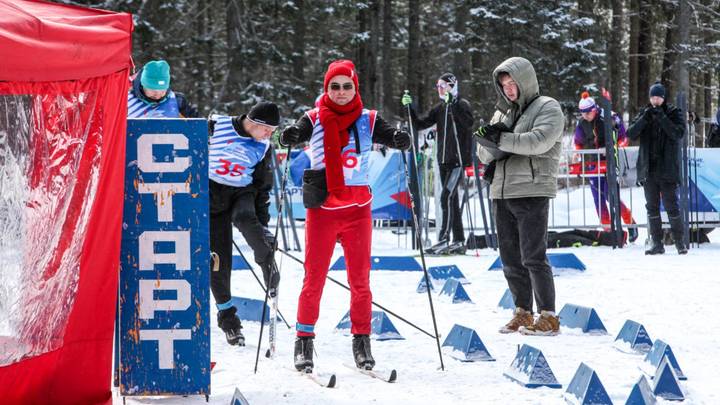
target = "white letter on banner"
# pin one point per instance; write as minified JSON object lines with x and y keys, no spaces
{"x":146,"y":159}
{"x":148,"y":304}
{"x":165,"y":338}
{"x":148,"y":257}
{"x":164,"y":196}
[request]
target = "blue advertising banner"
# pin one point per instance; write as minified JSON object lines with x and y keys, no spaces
{"x":387,"y":181}
{"x":164,"y":315}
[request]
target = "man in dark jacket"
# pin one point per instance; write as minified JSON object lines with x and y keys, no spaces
{"x":660,"y":127}
{"x":240,"y":166}
{"x":454,"y":120}
{"x":150,"y":95}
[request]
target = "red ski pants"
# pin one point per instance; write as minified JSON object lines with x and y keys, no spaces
{"x":352,"y":227}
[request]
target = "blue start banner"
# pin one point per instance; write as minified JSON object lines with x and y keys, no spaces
{"x":164,"y":309}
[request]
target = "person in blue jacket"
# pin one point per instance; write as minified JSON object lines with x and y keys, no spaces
{"x":240,"y":166}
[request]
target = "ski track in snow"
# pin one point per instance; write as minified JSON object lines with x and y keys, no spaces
{"x":674,"y":297}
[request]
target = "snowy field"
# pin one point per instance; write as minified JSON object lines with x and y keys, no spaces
{"x":674,"y":297}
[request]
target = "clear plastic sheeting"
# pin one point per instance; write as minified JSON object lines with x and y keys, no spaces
{"x":50,"y":154}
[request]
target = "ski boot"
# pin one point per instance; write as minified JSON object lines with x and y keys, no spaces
{"x":229,"y":322}
{"x":457,"y":248}
{"x":362,"y":353}
{"x":632,"y":234}
{"x":656,"y":237}
{"x":435,"y":249}
{"x":676,"y":227}
{"x":304,"y":354}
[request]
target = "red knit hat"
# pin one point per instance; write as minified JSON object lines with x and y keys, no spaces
{"x":342,"y":67}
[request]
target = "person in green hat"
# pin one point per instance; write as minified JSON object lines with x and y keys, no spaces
{"x":151,"y":97}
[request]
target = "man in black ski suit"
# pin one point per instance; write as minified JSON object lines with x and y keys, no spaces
{"x":454,"y":120}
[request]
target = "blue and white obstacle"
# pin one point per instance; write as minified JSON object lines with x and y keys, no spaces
{"x":530,"y":369}
{"x":507,"y":302}
{"x":249,"y":309}
{"x":558,"y":261}
{"x":634,"y":336}
{"x":454,"y":289}
{"x":666,"y":384}
{"x":584,"y":318}
{"x":641,"y":393}
{"x":393,"y":263}
{"x":466,"y":345}
{"x":586,"y":388}
{"x":655,"y":356}
{"x":381,"y":326}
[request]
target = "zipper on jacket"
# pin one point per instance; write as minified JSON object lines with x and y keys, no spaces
{"x":532,"y":170}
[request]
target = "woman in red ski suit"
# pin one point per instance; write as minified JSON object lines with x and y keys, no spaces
{"x":340,"y":132}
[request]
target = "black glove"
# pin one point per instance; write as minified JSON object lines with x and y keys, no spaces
{"x":271,"y":275}
{"x":491,"y":133}
{"x":290,"y":136}
{"x":270,"y":238}
{"x":649,"y":114}
{"x":401,"y":140}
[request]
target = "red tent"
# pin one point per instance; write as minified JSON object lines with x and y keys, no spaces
{"x":63,"y":97}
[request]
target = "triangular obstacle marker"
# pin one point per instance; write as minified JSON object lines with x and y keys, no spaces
{"x":442,"y":273}
{"x":238,"y":398}
{"x":249,"y":309}
{"x":635,"y":336}
{"x":641,"y":393}
{"x":239,"y":263}
{"x":422,"y":286}
{"x":394,"y":263}
{"x":530,"y":369}
{"x":654,"y":357}
{"x":666,"y":384}
{"x":558,"y":261}
{"x":507,"y":302}
{"x":586,"y":388}
{"x":454,"y":289}
{"x":576,"y":316}
{"x":466,"y":345}
{"x":381,"y":326}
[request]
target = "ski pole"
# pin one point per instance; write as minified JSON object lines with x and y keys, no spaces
{"x":258,"y":280}
{"x":288,"y":254}
{"x":424,"y":267}
{"x":414,"y":156}
{"x":274,"y":249}
{"x":466,"y":197}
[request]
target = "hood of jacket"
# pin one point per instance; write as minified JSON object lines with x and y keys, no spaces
{"x":523,"y":73}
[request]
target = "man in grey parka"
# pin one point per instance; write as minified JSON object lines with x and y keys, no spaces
{"x":523,"y":143}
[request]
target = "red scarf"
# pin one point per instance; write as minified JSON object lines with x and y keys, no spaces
{"x":336,"y":119}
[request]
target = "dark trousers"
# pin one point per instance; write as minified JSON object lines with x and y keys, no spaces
{"x":232,"y":206}
{"x":654,"y":191}
{"x":522,"y":236}
{"x":450,"y":203}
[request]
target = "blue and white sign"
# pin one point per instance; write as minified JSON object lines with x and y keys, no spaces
{"x":164,"y":296}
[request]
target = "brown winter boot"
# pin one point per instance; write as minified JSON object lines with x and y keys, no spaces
{"x":521,"y":318}
{"x":547,"y":324}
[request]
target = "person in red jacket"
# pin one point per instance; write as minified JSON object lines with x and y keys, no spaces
{"x":337,"y":197}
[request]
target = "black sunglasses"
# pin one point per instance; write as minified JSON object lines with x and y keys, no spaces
{"x":345,"y":86}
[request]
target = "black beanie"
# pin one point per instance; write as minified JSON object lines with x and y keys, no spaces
{"x":265,"y":113}
{"x":657,"y":90}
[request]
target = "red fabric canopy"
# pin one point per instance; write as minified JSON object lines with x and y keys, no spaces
{"x":69,"y":67}
{"x":41,"y":41}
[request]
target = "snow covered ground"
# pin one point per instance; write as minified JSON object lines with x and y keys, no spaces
{"x":674,"y":297}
